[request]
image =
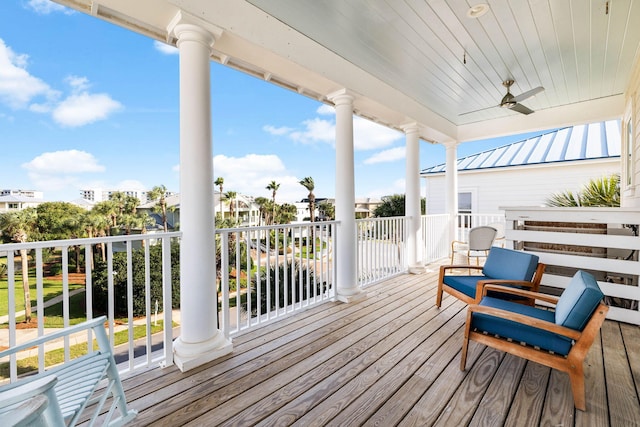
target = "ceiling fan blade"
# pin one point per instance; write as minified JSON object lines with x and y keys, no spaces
{"x":528,"y":94}
{"x":521,"y":109}
{"x":476,"y":111}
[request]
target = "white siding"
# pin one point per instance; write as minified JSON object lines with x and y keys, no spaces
{"x":519,"y":185}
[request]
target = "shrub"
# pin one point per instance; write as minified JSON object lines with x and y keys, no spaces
{"x":100,"y":281}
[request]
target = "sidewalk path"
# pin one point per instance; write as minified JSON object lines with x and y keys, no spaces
{"x":48,"y":303}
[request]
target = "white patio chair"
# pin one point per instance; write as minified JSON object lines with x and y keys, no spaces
{"x":479,"y":242}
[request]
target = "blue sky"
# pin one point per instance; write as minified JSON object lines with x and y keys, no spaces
{"x":86,"y":104}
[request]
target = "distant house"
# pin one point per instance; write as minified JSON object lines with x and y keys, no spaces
{"x":528,"y":172}
{"x":12,"y":202}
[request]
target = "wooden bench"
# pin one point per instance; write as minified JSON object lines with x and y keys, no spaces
{"x":76,"y":384}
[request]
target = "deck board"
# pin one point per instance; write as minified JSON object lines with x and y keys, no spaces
{"x":392,"y":358}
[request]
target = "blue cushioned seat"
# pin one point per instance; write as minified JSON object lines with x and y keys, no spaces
{"x":501,"y":264}
{"x":519,"y":332}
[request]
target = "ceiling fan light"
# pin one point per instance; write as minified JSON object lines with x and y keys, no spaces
{"x":477,"y":11}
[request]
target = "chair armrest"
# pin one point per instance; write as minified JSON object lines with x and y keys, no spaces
{"x":443,"y":268}
{"x":90,"y":324}
{"x":519,"y":292}
{"x":527,"y":320}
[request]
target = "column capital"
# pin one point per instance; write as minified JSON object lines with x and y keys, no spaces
{"x":410,"y":128}
{"x":341,"y":97}
{"x":450,"y":144}
{"x":184,"y":26}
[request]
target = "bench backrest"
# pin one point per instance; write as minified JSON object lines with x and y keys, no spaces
{"x":509,"y":264}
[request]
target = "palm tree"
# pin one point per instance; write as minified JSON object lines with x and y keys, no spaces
{"x":604,"y":191}
{"x":219,"y":182}
{"x":20,"y":226}
{"x":309,"y":185}
{"x":159,"y":193}
{"x":273,"y":186}
{"x":262,"y":203}
{"x":231,"y":197}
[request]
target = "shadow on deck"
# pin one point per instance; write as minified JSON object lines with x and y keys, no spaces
{"x":390,"y":359}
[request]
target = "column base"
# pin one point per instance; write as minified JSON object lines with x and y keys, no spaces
{"x":349,"y":298}
{"x":417,"y":269}
{"x":187,"y":356}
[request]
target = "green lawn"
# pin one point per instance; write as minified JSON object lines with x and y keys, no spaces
{"x":55,"y":357}
{"x":51,"y":288}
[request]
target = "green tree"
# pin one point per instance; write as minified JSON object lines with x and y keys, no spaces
{"x":20,"y":227}
{"x":286,"y":213}
{"x":231,"y":197}
{"x":327,"y":210}
{"x":310,"y":186}
{"x":109,"y":210}
{"x":60,"y":221}
{"x":125,"y":205}
{"x":395,"y":206}
{"x":603,"y":192}
{"x":264,"y":207}
{"x":273,"y":186}
{"x":159,"y":195}
{"x":219,"y":182}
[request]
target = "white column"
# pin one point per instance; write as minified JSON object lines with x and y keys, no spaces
{"x":412,"y":199}
{"x":451,"y":178}
{"x":346,"y":263}
{"x":200,"y":339}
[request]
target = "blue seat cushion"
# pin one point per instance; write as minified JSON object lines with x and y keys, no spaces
{"x":578,"y":302}
{"x":504,"y":263}
{"x":519,"y":332}
{"x":464,"y":284}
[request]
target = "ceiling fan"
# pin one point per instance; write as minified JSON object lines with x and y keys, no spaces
{"x":513,"y":102}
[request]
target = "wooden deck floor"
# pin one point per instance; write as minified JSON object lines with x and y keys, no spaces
{"x":390,"y":359}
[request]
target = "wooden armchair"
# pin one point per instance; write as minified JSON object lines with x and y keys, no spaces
{"x":71,"y":387}
{"x":558,"y":339}
{"x":503,"y":266}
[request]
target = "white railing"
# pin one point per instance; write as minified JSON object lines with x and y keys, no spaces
{"x":468,"y":221}
{"x":435,"y":237}
{"x":381,"y":248}
{"x":118,"y":266}
{"x":269,"y":272}
{"x":603,"y":241}
{"x":435,"y":232}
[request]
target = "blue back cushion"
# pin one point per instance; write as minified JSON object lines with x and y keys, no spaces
{"x":578,"y":301}
{"x":509,"y":264}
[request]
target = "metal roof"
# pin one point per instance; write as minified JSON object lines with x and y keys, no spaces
{"x":583,"y":142}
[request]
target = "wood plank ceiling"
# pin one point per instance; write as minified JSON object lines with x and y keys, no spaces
{"x":430,"y":50}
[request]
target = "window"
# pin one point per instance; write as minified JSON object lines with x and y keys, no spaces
{"x":465,"y":208}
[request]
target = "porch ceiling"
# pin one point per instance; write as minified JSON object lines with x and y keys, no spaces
{"x":421,"y":61}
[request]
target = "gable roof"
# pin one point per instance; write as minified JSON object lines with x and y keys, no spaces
{"x":584,"y":142}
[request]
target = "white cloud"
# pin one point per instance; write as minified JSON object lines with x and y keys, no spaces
{"x":165,"y":48}
{"x":17,"y":86}
{"x":68,"y":162}
{"x":386,"y":156}
{"x":77,"y":83}
{"x":84,"y":108}
{"x":250,"y":175}
{"x":315,"y":130}
{"x":60,"y":170}
{"x":45,"y":7}
{"x":367,"y":135}
{"x":282,"y":130}
{"x":326,"y":109}
{"x":128,"y":185}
